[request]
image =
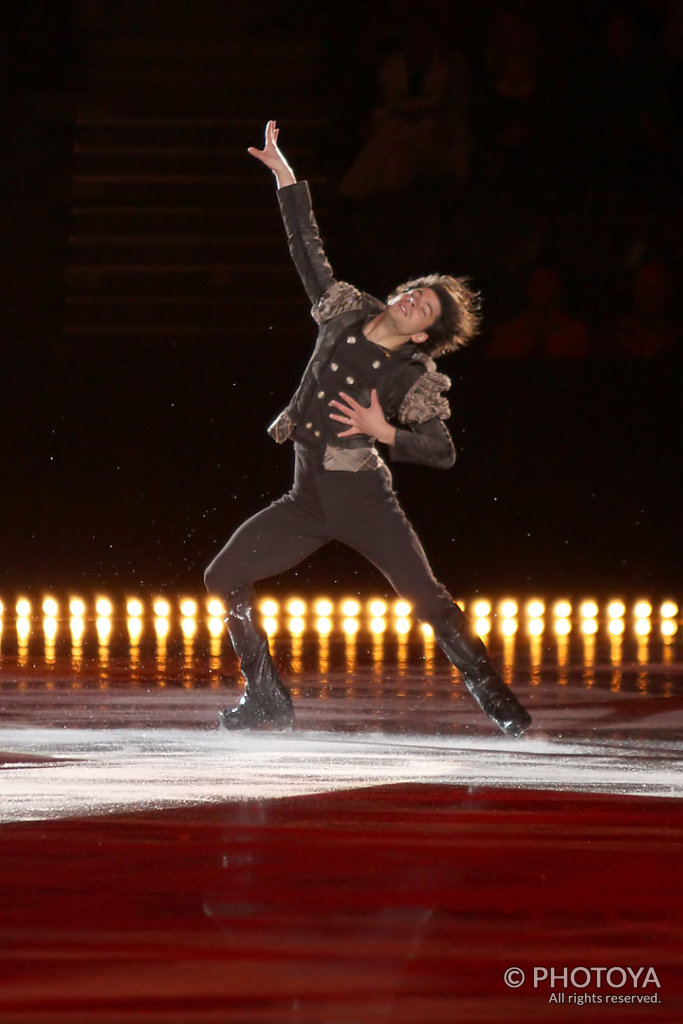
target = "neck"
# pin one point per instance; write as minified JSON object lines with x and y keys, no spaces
{"x":382,"y":332}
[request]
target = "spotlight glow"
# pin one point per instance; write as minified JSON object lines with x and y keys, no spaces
{"x":589,"y":609}
{"x":296,"y":607}
{"x":589,"y":627}
{"x":215,"y":626}
{"x":134,"y":607}
{"x":508,"y":627}
{"x":536,"y":627}
{"x":643,"y":627}
{"x":508,"y":608}
{"x":296,"y":625}
{"x":562,"y":609}
{"x":377,"y":608}
{"x":103,"y":627}
{"x":50,"y":628}
{"x":642,"y":610}
{"x":269,"y":607}
{"x":481,"y":609}
{"x":270,"y":625}
{"x":616,"y":627}
{"x":350,"y":626}
{"x":669,"y":627}
{"x":402,"y":609}
{"x":616,"y":609}
{"x":427,"y":630}
{"x":50,"y":607}
{"x":134,"y":628}
{"x":350,"y":608}
{"x":482,"y":626}
{"x":324,"y":626}
{"x":77,"y":630}
{"x":215,"y":608}
{"x":162,"y":608}
{"x":377,"y":626}
{"x":668,"y":610}
{"x":23,"y":629}
{"x":188,"y":625}
{"x":562,"y":627}
{"x":23,"y":608}
{"x":103,"y":607}
{"x":188,"y":608}
{"x":77,"y":607}
{"x":161,"y":626}
{"x":323,"y":607}
{"x":535,"y":608}
{"x":402,"y":626}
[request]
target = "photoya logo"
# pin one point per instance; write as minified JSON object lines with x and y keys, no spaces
{"x":632,"y":978}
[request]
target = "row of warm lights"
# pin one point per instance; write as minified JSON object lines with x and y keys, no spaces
{"x":563,"y":609}
{"x":350,"y":626}
{"x":104,"y":608}
{"x":189,"y":608}
{"x":349,"y":608}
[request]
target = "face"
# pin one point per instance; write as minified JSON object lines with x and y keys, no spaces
{"x":414,"y":311}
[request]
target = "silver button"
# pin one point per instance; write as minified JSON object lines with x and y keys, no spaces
{"x":350,"y":340}
{"x":334,"y":366}
{"x":376,"y":365}
{"x":321,"y":394}
{"x":309,"y":425}
{"x":317,"y":433}
{"x":350,"y":380}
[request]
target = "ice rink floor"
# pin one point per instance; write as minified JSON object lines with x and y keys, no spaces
{"x":389,"y":860}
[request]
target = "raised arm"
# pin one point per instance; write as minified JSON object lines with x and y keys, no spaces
{"x":303,"y":236}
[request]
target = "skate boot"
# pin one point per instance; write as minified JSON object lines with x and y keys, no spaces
{"x":465,"y":650}
{"x":266,"y":703}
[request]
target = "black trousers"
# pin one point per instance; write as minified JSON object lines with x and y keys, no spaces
{"x":359,"y":509}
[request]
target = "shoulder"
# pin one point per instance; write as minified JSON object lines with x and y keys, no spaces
{"x":342,"y":297}
{"x":423,"y":398}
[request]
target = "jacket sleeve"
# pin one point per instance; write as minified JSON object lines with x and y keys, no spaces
{"x":423,"y":436}
{"x":304,"y":241}
{"x":429,"y":444}
{"x":329,"y":296}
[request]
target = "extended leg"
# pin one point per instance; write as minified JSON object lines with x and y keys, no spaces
{"x":268,"y":543}
{"x":385,"y":537}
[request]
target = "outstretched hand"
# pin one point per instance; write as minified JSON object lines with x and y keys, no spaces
{"x":272,"y":156}
{"x":363,"y":419}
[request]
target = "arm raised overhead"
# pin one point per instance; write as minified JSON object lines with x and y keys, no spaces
{"x":303,"y":235}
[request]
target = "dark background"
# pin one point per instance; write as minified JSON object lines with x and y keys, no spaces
{"x":152,"y":327}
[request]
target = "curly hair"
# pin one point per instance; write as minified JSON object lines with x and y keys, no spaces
{"x":460,"y":318}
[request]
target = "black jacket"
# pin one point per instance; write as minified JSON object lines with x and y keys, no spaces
{"x":409,"y":388}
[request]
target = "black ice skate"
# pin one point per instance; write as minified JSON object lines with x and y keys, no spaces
{"x":466,"y":651}
{"x":266,"y":703}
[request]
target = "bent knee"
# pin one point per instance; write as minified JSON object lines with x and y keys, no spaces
{"x":218,"y":577}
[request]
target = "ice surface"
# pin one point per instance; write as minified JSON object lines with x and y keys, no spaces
{"x":96,"y":771}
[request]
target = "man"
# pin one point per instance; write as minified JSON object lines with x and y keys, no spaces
{"x":371,"y":364}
